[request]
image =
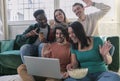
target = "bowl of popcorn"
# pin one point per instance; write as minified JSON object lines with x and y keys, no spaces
{"x":78,"y":73}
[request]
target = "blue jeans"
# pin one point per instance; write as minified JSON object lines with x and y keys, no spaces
{"x":109,"y":76}
{"x":28,"y":50}
{"x":99,"y":76}
{"x":72,"y":79}
{"x":40,"y":49}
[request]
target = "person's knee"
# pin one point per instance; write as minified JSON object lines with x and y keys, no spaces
{"x":109,"y":76}
{"x":24,"y":47}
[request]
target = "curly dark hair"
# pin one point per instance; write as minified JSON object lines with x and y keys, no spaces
{"x":64,"y":31}
{"x":37,"y":12}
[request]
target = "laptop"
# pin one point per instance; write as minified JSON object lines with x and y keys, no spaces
{"x":45,"y":67}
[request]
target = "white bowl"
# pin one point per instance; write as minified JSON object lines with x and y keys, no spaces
{"x":78,"y":73}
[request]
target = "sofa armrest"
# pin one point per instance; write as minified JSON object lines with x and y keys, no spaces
{"x":6,"y":45}
{"x":115,"y":65}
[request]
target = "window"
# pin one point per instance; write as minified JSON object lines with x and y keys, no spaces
{"x":19,"y":10}
{"x":67,"y":7}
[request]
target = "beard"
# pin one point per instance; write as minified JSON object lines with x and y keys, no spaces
{"x":60,"y":40}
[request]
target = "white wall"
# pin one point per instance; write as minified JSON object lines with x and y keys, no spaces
{"x":109,"y":28}
{"x":112,"y":27}
{"x":118,"y":14}
{"x":1,"y":31}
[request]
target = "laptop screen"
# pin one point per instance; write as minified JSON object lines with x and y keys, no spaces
{"x":45,"y":67}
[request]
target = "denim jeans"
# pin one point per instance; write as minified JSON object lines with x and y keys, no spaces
{"x":28,"y":50}
{"x":40,"y":49}
{"x":99,"y":76}
{"x":109,"y":76}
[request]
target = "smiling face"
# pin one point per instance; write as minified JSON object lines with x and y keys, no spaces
{"x":59,"y":36}
{"x":78,"y":10}
{"x":72,"y":35}
{"x":59,"y":16}
{"x":42,"y":20}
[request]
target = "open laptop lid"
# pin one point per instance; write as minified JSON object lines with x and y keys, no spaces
{"x":40,"y":66}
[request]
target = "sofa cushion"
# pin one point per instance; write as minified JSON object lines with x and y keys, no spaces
{"x":7,"y":71}
{"x":13,"y":52}
{"x":6,"y":45}
{"x":10,"y":59}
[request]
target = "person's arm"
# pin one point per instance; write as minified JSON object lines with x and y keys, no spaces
{"x":21,"y":39}
{"x":46,"y":51}
{"x":73,"y":64}
{"x":104,"y":51}
{"x":31,"y":31}
{"x":107,"y":58}
{"x":101,"y":6}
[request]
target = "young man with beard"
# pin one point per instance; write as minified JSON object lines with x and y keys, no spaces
{"x":59,"y":49}
{"x":30,"y":39}
{"x":89,"y":21}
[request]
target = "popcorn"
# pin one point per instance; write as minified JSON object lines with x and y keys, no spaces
{"x":78,"y":73}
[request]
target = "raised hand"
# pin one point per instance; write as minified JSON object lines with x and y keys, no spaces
{"x":46,"y":50}
{"x":32,"y":33}
{"x":104,"y":50}
{"x":88,"y":3}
